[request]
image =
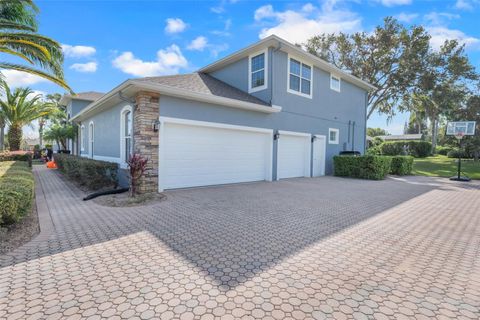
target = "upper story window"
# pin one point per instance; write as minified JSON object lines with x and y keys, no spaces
{"x":335,"y":83}
{"x":257,"y":65}
{"x":299,"y":78}
{"x":333,"y":136}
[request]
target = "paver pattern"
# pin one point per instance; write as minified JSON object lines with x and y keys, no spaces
{"x":295,"y":249}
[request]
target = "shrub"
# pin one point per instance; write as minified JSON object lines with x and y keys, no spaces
{"x":455,"y":153}
{"x":393,"y":148}
{"x":93,"y":174}
{"x":137,"y":166}
{"x":418,"y":149}
{"x":401,"y":165}
{"x":363,"y":167}
{"x":16,"y":156}
{"x":443,"y":150}
{"x":16,"y":191}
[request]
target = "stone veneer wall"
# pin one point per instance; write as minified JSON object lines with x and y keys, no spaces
{"x":145,"y":140}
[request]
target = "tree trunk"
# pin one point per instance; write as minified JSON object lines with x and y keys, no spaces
{"x":434,"y":130}
{"x":2,"y":137}
{"x":14,"y":137}
{"x":40,"y":133}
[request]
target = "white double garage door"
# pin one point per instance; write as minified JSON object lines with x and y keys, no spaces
{"x":196,"y":153}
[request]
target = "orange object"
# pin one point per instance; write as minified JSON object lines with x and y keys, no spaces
{"x":51,"y":165}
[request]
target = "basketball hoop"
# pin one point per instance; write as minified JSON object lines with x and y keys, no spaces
{"x":459,"y":135}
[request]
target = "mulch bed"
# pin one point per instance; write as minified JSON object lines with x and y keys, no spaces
{"x":19,"y":233}
{"x":124,"y":199}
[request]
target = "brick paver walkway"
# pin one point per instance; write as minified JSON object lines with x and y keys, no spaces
{"x":295,"y":249}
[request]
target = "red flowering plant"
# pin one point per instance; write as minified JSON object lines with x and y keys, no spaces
{"x":137,"y":166}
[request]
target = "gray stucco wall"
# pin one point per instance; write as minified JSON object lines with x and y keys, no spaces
{"x":77,"y":105}
{"x":236,"y":75}
{"x":107,"y":132}
{"x":326,"y":109}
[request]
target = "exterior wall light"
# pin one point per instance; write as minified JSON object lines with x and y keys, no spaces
{"x":155,"y":125}
{"x":314,"y":138}
{"x":276,"y":136}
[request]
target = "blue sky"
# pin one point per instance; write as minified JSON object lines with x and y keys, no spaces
{"x":106,"y":42}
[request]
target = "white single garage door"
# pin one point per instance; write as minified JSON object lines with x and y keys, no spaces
{"x":195,"y":153}
{"x":293,"y":156}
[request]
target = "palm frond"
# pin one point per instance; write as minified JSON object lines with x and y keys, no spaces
{"x":59,"y":81}
{"x":7,"y":24}
{"x":14,"y":53}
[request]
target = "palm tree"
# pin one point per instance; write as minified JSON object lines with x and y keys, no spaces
{"x":19,"y":108}
{"x":18,"y":37}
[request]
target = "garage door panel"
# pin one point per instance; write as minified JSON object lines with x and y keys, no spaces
{"x":293,"y":156}
{"x":202,"y":155}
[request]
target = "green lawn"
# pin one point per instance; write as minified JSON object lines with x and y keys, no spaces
{"x":442,"y":166}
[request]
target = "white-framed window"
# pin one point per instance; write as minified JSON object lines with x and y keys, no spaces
{"x":299,"y":77}
{"x":126,"y":133}
{"x":333,"y":136}
{"x":335,"y":83}
{"x":91,"y":138}
{"x":258,"y":71}
{"x":82,"y":138}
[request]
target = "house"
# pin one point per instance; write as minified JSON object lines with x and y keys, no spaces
{"x":73,"y":105}
{"x":403,"y":137}
{"x":269,"y":111}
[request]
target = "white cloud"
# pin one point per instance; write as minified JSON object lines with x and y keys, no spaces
{"x":198,"y":44}
{"x":406,"y":17}
{"x":169,"y":61}
{"x":175,"y":25}
{"x":84,"y":67}
{"x":216,"y":49}
{"x":440,"y":18}
{"x":440,"y":34}
{"x":78,"y":51}
{"x":19,"y":79}
{"x":466,"y":4}
{"x":392,"y":3}
{"x":298,"y":26}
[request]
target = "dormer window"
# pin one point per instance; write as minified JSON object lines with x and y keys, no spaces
{"x":299,"y":78}
{"x":257,"y":65}
{"x":335,"y":83}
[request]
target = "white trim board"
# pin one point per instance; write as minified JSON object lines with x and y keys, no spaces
{"x":214,"y":125}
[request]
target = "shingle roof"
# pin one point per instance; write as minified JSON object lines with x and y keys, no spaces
{"x":205,"y":84}
{"x":88,"y":95}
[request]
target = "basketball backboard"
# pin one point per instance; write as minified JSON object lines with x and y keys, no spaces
{"x":465,"y":127}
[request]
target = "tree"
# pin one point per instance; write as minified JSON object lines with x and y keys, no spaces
{"x":19,"y":38}
{"x":389,"y":58}
{"x":58,"y":114}
{"x":443,"y":84}
{"x":416,"y":123}
{"x":19,"y":108}
{"x":375,"y":132}
{"x":60,"y":133}
{"x":471,"y":112}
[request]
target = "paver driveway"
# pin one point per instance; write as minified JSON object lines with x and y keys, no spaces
{"x":302,"y":248}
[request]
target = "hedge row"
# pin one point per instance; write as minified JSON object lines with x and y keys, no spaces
{"x":363,"y":167}
{"x":372,"y":167}
{"x":93,"y":174}
{"x":401,"y":165}
{"x":16,"y":191}
{"x":418,"y":149}
{"x":16,"y":156}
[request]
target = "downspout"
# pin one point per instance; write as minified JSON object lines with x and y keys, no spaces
{"x":271,"y":70}
{"x":348,"y":134}
{"x":365,"y":125}
{"x":353,"y":136}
